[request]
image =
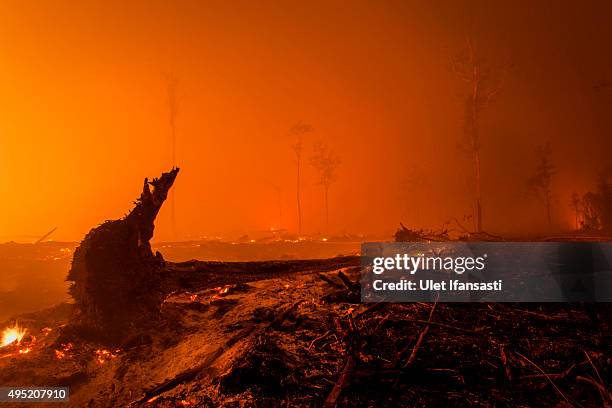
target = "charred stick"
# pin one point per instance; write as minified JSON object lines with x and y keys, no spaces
{"x":341,"y":384}
{"x":331,"y":281}
{"x":382,"y":321}
{"x":548,"y":378}
{"x":419,"y":341}
{"x":504,"y":360}
{"x":416,"y":347}
{"x":446,"y":326}
{"x":558,"y":376}
{"x":319,"y":338}
{"x":347,"y":281}
{"x":352,"y":339}
{"x":606,"y":396}
{"x":373,"y":307}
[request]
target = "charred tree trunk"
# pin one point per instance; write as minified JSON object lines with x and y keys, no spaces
{"x":299,"y":204}
{"x":115,"y":275}
{"x":327,"y":209}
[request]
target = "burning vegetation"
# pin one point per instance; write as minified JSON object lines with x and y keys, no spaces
{"x":12,"y":335}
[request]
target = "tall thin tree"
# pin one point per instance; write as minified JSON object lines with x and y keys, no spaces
{"x":576,"y":204}
{"x":174,"y":102}
{"x":279,"y":197}
{"x":325,"y":161}
{"x":412,"y":186}
{"x":541,"y":181}
{"x":483,"y":83}
{"x":298,"y":131}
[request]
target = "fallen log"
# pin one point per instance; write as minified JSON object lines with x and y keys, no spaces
{"x":47,"y":235}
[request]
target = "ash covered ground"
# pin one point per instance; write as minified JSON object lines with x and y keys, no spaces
{"x":294,"y":334}
{"x":34,"y":275}
{"x":143,"y":331}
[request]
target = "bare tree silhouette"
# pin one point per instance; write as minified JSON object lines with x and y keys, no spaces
{"x":326,"y":163}
{"x":576,"y":204}
{"x":483,"y":83}
{"x":298,"y":131}
{"x":174,"y":103}
{"x":412,"y":186}
{"x":541,"y":181}
{"x":279,"y":196}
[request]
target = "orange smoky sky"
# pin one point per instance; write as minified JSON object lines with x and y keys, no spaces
{"x":84,"y":112}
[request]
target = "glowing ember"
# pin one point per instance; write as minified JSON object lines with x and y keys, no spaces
{"x":103,"y":355}
{"x":220,"y":291}
{"x":46,"y":330}
{"x":12,"y":334}
{"x":193,"y":297}
{"x":61,"y":354}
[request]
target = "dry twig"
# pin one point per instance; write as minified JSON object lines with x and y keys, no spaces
{"x":548,"y":378}
{"x":419,"y":341}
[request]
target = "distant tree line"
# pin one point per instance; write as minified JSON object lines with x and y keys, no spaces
{"x":593,"y":209}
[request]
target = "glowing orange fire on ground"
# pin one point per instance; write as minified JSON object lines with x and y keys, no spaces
{"x":221,"y":290}
{"x":12,"y":335}
{"x":64,"y":351}
{"x":13,"y":338}
{"x":103,"y":355}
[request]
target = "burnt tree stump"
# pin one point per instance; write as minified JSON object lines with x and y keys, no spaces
{"x":116,"y":278}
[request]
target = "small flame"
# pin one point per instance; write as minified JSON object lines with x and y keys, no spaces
{"x":12,"y":334}
{"x":221,"y":290}
{"x":103,"y":355}
{"x":61,"y":354}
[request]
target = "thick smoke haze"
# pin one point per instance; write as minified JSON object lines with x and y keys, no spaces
{"x":84,"y":112}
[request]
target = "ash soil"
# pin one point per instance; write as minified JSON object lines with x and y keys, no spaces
{"x":294,"y":333}
{"x":33,"y":276}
